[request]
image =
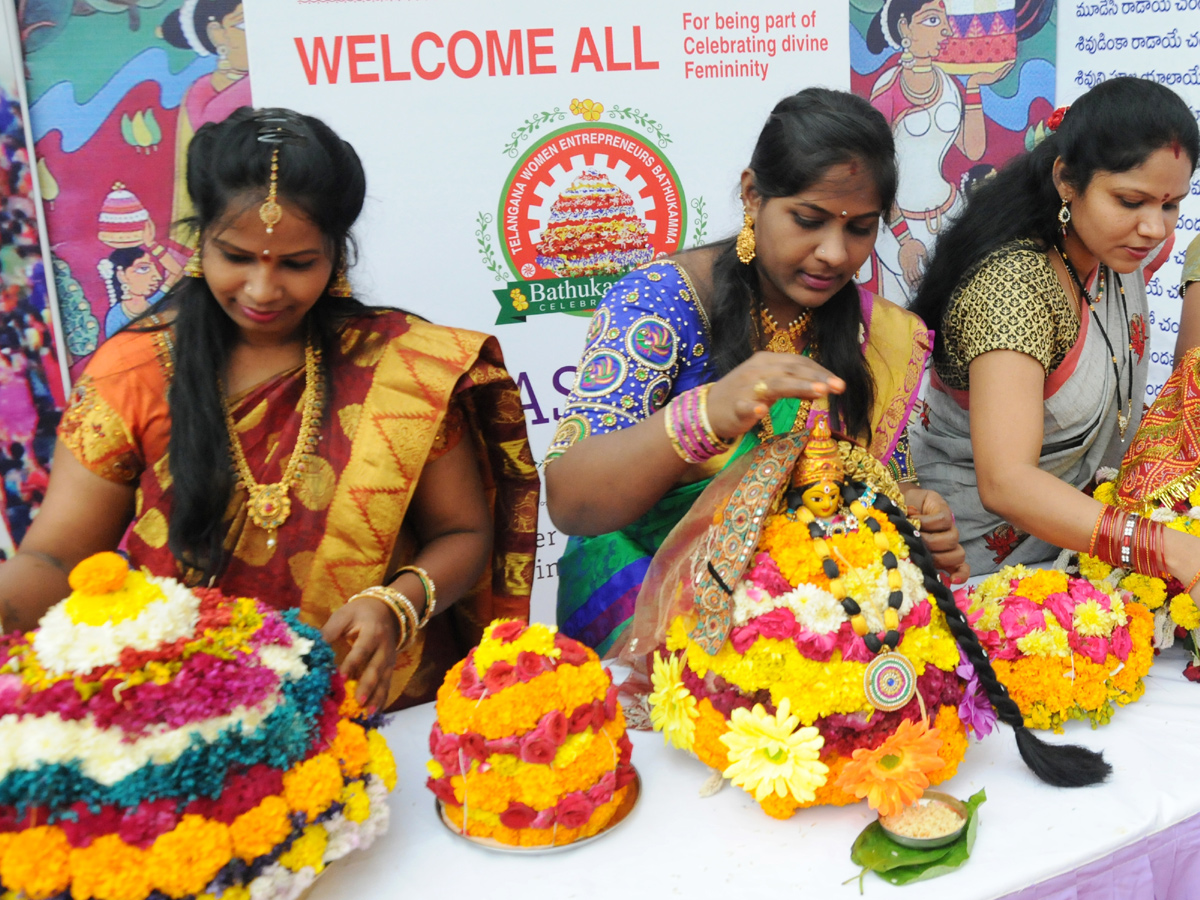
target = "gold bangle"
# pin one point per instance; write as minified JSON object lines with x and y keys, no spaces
{"x":430,"y":591}
{"x":719,"y":442}
{"x":405,"y":618}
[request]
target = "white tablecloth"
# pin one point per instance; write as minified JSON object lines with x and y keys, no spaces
{"x":676,"y":844}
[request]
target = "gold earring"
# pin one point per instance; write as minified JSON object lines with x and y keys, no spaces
{"x":271,"y":212}
{"x":341,"y":283}
{"x":195,"y":265}
{"x":745,"y":241}
{"x":1064,"y":216}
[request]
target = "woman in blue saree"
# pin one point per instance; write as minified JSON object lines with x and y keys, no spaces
{"x":738,"y":341}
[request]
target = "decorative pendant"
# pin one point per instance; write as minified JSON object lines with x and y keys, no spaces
{"x":781,"y":342}
{"x":1123,"y":420}
{"x":890,"y":682}
{"x":269,"y":505}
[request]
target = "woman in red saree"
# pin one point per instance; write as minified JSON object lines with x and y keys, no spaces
{"x":266,"y":433}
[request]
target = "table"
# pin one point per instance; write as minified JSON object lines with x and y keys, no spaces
{"x":1137,"y":836}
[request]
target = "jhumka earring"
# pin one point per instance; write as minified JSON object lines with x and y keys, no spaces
{"x":195,"y":266}
{"x":1064,"y":216}
{"x":341,"y":283}
{"x":271,"y":212}
{"x":906,"y":57}
{"x":745,"y":241}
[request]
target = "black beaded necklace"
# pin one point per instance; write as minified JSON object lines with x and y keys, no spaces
{"x":1123,"y":418}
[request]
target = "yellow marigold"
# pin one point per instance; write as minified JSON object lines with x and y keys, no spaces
{"x":1194,"y":497}
{"x":954,"y":743}
{"x":307,"y":851}
{"x":672,"y":707}
{"x":110,"y":869}
{"x":537,"y":638}
{"x":1184,"y":612}
{"x":36,"y":863}
{"x":1150,"y":592}
{"x":1041,"y":584}
{"x":1037,"y":682}
{"x":125,"y":601}
{"x":1092,"y":568}
{"x":896,"y":773}
{"x":314,"y":784}
{"x":1106,"y":492}
{"x":351,"y":708}
{"x":483,"y":823}
{"x":258,"y":831}
{"x":185,"y":860}
{"x":100,"y":573}
{"x":382,"y":764}
{"x":790,"y":545}
{"x":350,"y":748}
{"x":356,"y":803}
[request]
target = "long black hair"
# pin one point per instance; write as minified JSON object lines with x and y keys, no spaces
{"x":1063,"y":765}
{"x":228,"y":169}
{"x":807,"y":134}
{"x":1114,"y":127}
{"x":878,"y":39}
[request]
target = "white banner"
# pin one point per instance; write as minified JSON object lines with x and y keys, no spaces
{"x":491,"y":133}
{"x":1157,"y":40}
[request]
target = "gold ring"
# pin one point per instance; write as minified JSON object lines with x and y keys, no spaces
{"x":761,"y":390}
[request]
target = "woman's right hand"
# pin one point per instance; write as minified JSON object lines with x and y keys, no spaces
{"x":745,"y":395}
{"x":373,"y":631}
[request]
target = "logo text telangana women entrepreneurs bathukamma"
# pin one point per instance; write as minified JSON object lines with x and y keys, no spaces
{"x":582,"y":206}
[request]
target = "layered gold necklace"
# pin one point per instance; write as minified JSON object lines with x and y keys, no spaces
{"x":269,"y":505}
{"x":784,"y":340}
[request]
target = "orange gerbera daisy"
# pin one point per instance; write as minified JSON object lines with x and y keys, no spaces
{"x":896,"y":773}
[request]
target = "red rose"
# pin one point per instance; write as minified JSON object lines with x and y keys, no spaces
{"x":468,"y":681}
{"x":508,"y":746}
{"x":1055,"y":118}
{"x":500,"y":676}
{"x":581,"y":719}
{"x":507,"y":632}
{"x":598,"y":717}
{"x":610,"y":703}
{"x":572,"y":653}
{"x":625,"y":746}
{"x":1122,"y":643}
{"x":574,"y":810}
{"x":538,"y":750}
{"x":518,"y":815}
{"x":443,"y":789}
{"x":1192,"y":672}
{"x":779,"y":624}
{"x":1094,"y":648}
{"x":435,"y":736}
{"x":472,"y":745}
{"x":447,"y":754}
{"x":625,"y":775}
{"x":601,"y":792}
{"x":531,"y":665}
{"x":555,"y":724}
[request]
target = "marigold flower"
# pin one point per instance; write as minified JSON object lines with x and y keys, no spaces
{"x":185,"y":860}
{"x":769,"y":754}
{"x":110,"y":869}
{"x":257,"y":831}
{"x":100,"y":573}
{"x":36,"y":863}
{"x":356,"y":805}
{"x":307,"y":851}
{"x":1092,"y":568}
{"x":1041,"y":584}
{"x":1106,"y":491}
{"x":896,"y":773}
{"x":314,"y":784}
{"x":672,"y":707}
{"x":382,"y":764}
{"x":1184,"y":612}
{"x":350,"y":748}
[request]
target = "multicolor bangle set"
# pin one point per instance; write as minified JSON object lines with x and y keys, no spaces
{"x":403,"y":609}
{"x":688,"y":428}
{"x":1131,"y":542}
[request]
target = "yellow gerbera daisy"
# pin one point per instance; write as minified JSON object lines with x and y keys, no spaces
{"x":768,"y":754}
{"x":895,"y":774}
{"x":672,"y":706}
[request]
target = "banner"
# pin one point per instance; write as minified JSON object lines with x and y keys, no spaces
{"x":521,"y":157}
{"x":1158,"y":40}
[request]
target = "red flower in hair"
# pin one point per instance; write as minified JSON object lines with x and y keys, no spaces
{"x":1055,"y":118}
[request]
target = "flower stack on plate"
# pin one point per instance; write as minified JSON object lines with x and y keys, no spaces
{"x":162,"y":742}
{"x":529,"y":748}
{"x":838,"y":678}
{"x":1066,"y":647}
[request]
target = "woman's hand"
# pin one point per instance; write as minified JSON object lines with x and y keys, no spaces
{"x":912,"y":261}
{"x":745,"y":395}
{"x":979,"y":79}
{"x":373,"y":632}
{"x":938,"y":531}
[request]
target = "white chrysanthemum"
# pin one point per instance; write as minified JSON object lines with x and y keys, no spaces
{"x":815,"y":609}
{"x":63,"y":645}
{"x":913,"y":586}
{"x":749,"y":600}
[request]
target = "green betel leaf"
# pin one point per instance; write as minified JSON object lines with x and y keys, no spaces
{"x":875,"y":851}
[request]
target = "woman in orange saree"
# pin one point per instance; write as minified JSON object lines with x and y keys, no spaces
{"x":393,"y":438}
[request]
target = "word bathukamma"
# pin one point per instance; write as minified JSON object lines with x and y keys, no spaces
{"x":157,"y":741}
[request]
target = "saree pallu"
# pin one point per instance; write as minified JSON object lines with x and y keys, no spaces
{"x":600,"y":576}
{"x":399,"y":392}
{"x":1080,"y":432}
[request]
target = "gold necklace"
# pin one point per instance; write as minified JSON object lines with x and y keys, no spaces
{"x":269,"y":505}
{"x":780,"y":340}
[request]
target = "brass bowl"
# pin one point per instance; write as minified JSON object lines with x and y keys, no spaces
{"x":929,"y":843}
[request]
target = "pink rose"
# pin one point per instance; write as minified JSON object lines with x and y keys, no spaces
{"x":531,"y":665}
{"x":962,"y":599}
{"x":544,"y":819}
{"x":435,"y":735}
{"x":556,"y":725}
{"x":468,"y":681}
{"x":601,"y":792}
{"x":1094,"y":648}
{"x":447,"y":754}
{"x":765,"y":574}
{"x":1021,"y":616}
{"x":509,"y":746}
{"x":10,"y":690}
{"x":507,"y":632}
{"x":472,"y":745}
{"x":1122,"y":643}
{"x":518,"y":815}
{"x":779,"y":624}
{"x":815,"y":646}
{"x":743,"y":637}
{"x":538,"y":750}
{"x":1063,"y":607}
{"x":574,"y":810}
{"x":1082,"y":591}
{"x":500,"y":676}
{"x":444,"y":791}
{"x":572,"y":653}
{"x":581,"y":719}
{"x":918,"y":616}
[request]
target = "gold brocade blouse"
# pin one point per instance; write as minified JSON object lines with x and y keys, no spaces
{"x":1013,"y":301}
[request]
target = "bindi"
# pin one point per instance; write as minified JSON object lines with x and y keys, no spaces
{"x":266,"y":254}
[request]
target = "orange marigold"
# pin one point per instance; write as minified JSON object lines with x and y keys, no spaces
{"x":185,"y":860}
{"x":896,"y":773}
{"x":110,"y":869}
{"x":36,"y":863}
{"x":710,"y":725}
{"x":314,"y":784}
{"x":351,"y":708}
{"x":258,"y":831}
{"x":350,"y":748}
{"x":100,"y":573}
{"x":954,"y":743}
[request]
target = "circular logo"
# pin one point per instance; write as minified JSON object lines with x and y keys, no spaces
{"x":590,"y":199}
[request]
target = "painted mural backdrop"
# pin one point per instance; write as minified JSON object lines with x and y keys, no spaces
{"x":964,"y":84}
{"x":117,"y":89}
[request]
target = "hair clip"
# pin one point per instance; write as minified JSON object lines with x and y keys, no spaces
{"x":1054,"y":120}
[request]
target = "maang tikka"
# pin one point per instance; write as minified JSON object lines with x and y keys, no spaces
{"x":271,"y":212}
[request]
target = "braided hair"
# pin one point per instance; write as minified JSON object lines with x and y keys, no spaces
{"x":1062,"y":765}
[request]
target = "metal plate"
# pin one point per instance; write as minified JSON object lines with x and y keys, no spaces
{"x":622,"y":813}
{"x":929,"y":843}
